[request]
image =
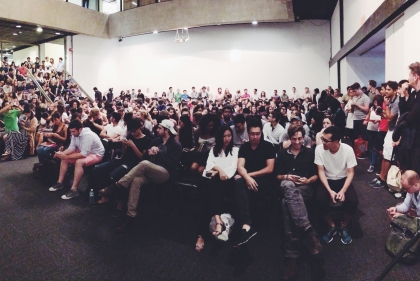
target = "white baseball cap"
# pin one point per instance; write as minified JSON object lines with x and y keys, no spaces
{"x":168,"y":125}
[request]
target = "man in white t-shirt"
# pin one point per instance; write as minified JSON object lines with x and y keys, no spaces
{"x":112,"y":130}
{"x":336,"y":162}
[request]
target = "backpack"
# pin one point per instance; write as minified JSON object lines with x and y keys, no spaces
{"x":403,"y":229}
{"x":393,"y":179}
{"x":38,"y":171}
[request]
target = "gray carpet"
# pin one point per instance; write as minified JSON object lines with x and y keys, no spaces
{"x":46,"y":238}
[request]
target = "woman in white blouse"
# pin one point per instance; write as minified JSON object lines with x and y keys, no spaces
{"x":220,"y":169}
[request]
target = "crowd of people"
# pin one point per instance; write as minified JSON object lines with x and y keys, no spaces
{"x":242,"y":145}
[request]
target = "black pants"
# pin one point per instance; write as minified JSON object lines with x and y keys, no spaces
{"x":245,"y":197}
{"x":323,"y":199}
{"x":213,"y":194}
{"x":85,"y":3}
{"x":415,"y":154}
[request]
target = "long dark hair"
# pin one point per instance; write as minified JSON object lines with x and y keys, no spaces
{"x":186,"y":132}
{"x":205,"y":120}
{"x":217,"y":149}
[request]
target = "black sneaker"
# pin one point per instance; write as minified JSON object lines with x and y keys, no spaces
{"x":364,"y":155}
{"x":70,"y":194}
{"x":97,"y":204}
{"x":312,"y":243}
{"x":245,"y":236}
{"x":56,"y":187}
{"x":125,"y":224}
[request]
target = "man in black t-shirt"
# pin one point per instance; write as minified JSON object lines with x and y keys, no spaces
{"x":255,"y":164}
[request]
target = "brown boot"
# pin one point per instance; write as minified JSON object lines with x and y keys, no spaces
{"x":291,"y":269}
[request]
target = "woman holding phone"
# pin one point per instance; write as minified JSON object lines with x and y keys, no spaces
{"x":220,"y":168}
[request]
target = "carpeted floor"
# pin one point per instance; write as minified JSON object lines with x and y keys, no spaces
{"x":43,"y":237}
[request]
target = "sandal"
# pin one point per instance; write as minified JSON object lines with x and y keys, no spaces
{"x":199,"y":246}
{"x":216,"y":232}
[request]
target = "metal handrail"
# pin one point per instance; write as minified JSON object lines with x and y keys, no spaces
{"x":41,"y":90}
{"x":80,"y":87}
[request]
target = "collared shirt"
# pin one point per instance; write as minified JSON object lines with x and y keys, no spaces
{"x":300,"y":165}
{"x":411,"y":201}
{"x":87,"y":143}
{"x":271,"y":134}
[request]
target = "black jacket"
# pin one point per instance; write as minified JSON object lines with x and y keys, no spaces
{"x":168,"y":157}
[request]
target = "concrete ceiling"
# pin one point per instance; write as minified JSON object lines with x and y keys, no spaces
{"x":13,"y":37}
{"x":314,"y":9}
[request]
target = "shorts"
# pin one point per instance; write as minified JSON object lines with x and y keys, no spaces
{"x":388,"y":148}
{"x":359,"y":129}
{"x":92,"y":159}
{"x":379,"y":141}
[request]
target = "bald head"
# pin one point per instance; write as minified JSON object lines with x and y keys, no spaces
{"x":409,"y":180}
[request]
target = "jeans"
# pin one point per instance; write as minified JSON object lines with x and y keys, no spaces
{"x":245,"y":197}
{"x":371,"y":138}
{"x":45,"y":153}
{"x":323,"y":198}
{"x":107,"y":173}
{"x":144,"y":173}
{"x":295,"y":215}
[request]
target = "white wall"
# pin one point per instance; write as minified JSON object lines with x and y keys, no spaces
{"x":20,"y":56}
{"x":334,"y":76}
{"x":266,"y":57}
{"x":356,"y":12}
{"x":54,"y":51}
{"x":363,"y":68}
{"x":335,"y":30}
{"x":403,"y":44}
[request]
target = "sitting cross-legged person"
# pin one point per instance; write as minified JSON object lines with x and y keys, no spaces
{"x":297,"y":172}
{"x":85,"y":150}
{"x":133,"y":151}
{"x":163,"y":157}
{"x":336,"y":162}
{"x":255,"y":166}
{"x":221,"y":167}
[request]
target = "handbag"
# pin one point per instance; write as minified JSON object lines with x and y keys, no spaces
{"x":403,"y":229}
{"x":393,"y":179}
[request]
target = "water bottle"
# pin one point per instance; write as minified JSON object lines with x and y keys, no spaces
{"x":91,"y":197}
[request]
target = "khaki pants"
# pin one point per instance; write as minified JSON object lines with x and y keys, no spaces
{"x":144,"y":173}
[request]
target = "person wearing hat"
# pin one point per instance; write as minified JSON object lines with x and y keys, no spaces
{"x":162,"y":160}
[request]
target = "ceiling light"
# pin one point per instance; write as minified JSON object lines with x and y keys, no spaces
{"x":155,"y":32}
{"x":134,"y":3}
{"x":14,"y":33}
{"x":58,"y":33}
{"x":254,"y":22}
{"x":39,"y":29}
{"x":185,"y":28}
{"x":18,"y":26}
{"x":14,"y":46}
{"x":20,"y":31}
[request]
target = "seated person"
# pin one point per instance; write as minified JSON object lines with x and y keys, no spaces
{"x":133,"y":151}
{"x":221,"y":167}
{"x":255,"y":165}
{"x":410,"y":182}
{"x":163,"y":157}
{"x":297,"y":172}
{"x":336,"y":162}
{"x":85,"y":150}
{"x":285,"y":141}
{"x":94,"y":121}
{"x":272,"y":129}
{"x":53,"y":140}
{"x":112,"y":131}
{"x":240,"y":134}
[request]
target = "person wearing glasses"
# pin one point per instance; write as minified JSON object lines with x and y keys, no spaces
{"x":336,"y":162}
{"x":255,"y":164}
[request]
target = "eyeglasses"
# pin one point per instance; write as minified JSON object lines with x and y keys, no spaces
{"x":325,"y":140}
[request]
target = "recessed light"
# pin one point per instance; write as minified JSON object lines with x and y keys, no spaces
{"x":39,"y":29}
{"x":58,"y":33}
{"x":185,"y":28}
{"x":14,"y":33}
{"x":14,"y":46}
{"x":18,"y":26}
{"x":155,"y":32}
{"x":254,"y":22}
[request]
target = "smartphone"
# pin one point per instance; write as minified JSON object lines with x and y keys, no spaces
{"x":208,"y":174}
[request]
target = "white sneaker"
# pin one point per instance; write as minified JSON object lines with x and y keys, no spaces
{"x":371,"y":169}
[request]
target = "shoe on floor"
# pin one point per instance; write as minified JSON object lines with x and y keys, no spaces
{"x":125,"y":224}
{"x":96,"y":204}
{"x":70,"y":194}
{"x":371,"y":169}
{"x":116,"y":213}
{"x":374,"y":181}
{"x":362,"y":156}
{"x":329,"y":236}
{"x":56,"y":187}
{"x":312,"y":243}
{"x":291,"y":270}
{"x":345,"y":236}
{"x":245,"y":236}
{"x":378,"y":184}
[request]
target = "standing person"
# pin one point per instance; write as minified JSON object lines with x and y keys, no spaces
{"x":255,"y":165}
{"x":160,"y":165}
{"x":60,"y":67}
{"x":390,"y":113}
{"x":372,"y":122}
{"x":98,"y":95}
{"x":372,"y":91}
{"x":336,"y":162}
{"x":298,"y":173}
{"x":221,"y":166}
{"x":85,"y":150}
{"x":170,"y":94}
{"x":360,"y":107}
{"x":178,"y":95}
{"x":413,"y":116}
